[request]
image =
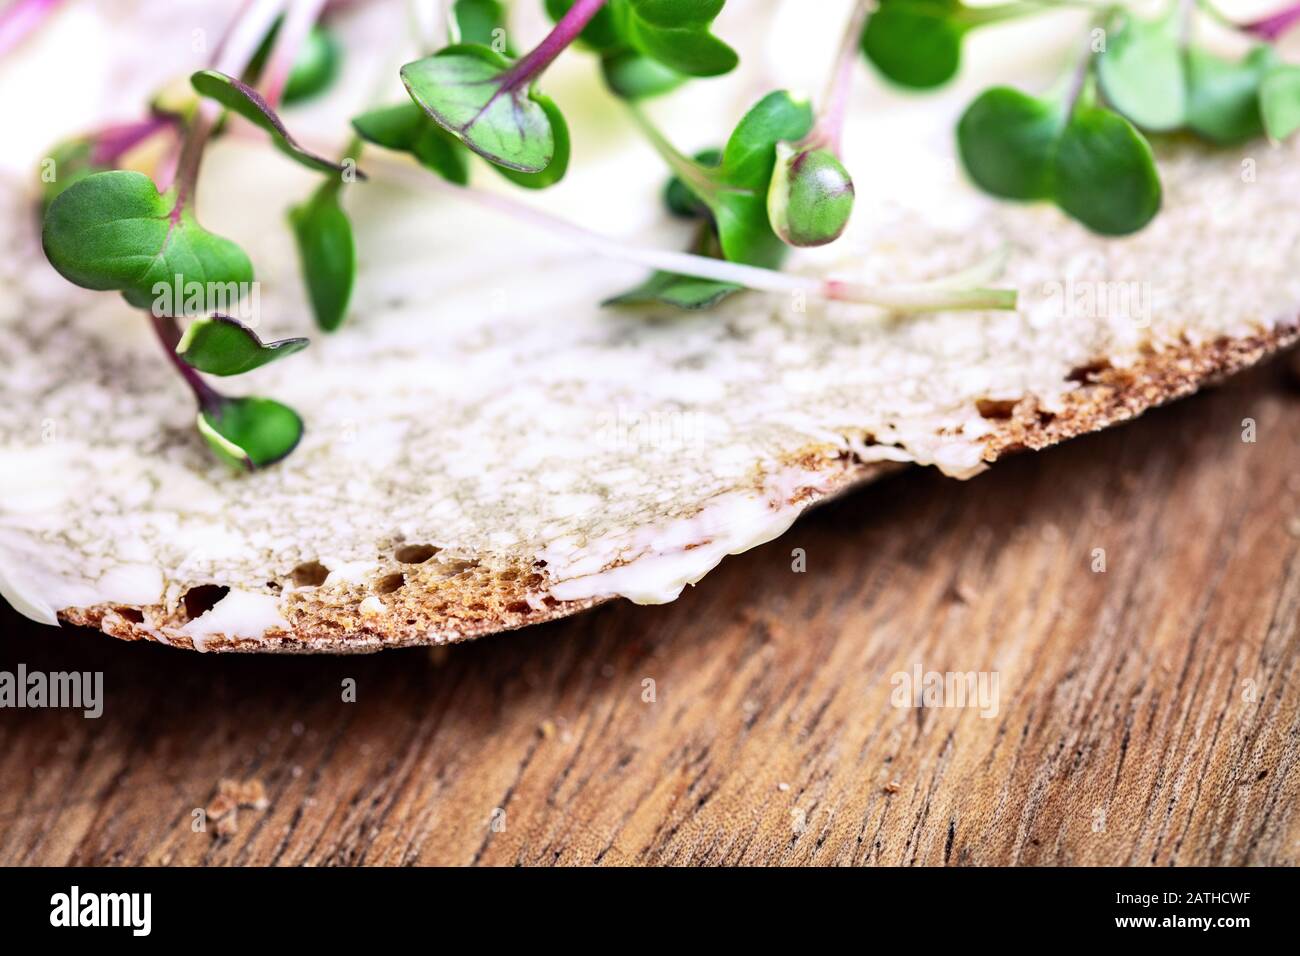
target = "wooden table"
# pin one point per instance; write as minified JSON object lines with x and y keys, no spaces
{"x":1149,"y":714}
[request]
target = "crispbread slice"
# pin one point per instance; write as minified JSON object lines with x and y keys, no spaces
{"x":488,"y":448}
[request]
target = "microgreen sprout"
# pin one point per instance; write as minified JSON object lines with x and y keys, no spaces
{"x":114,"y":229}
{"x":779,"y":180}
{"x":810,"y":196}
{"x":1067,"y":149}
{"x":490,"y":102}
{"x":918,"y":43}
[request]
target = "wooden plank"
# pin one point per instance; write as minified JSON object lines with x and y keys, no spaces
{"x":1149,"y":714}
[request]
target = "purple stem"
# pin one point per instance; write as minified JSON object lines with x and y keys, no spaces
{"x":20,"y":19}
{"x":169,"y":334}
{"x":1271,"y":28}
{"x":113,"y":142}
{"x":542,"y":55}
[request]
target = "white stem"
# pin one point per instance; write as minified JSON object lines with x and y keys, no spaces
{"x":297,"y":26}
{"x":235,"y":52}
{"x":940,"y":295}
{"x":242,"y":43}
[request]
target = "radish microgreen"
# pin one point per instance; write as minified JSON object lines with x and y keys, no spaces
{"x":249,"y":433}
{"x":238,"y":97}
{"x":113,"y":230}
{"x":326,"y":252}
{"x":314,"y":70}
{"x":220,"y":345}
{"x":779,"y":181}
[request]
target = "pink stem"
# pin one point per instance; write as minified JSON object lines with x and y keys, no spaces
{"x":1271,"y":28}
{"x":113,"y":142}
{"x":297,"y":26}
{"x":564,"y":33}
{"x":169,"y":336}
{"x":830,"y":123}
{"x":20,"y":19}
{"x":233,"y":55}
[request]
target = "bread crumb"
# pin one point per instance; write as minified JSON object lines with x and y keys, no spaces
{"x":963,"y":591}
{"x":783,"y":786}
{"x":547,"y":729}
{"x":893,"y":786}
{"x":253,"y":794}
{"x":220,"y":806}
{"x":228,"y":824}
{"x":231,"y":796}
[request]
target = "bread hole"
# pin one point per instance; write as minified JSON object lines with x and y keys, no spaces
{"x":415,"y":553}
{"x":309,"y":574}
{"x":390,"y":583}
{"x":1085,"y":374}
{"x":519,"y":607}
{"x":996,"y":408}
{"x":203,"y":598}
{"x":456,"y":567}
{"x":131,"y":614}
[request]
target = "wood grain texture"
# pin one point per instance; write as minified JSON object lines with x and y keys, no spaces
{"x":1149,"y":714}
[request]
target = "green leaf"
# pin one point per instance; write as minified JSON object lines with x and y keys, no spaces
{"x":680,"y":199}
{"x":468,"y":91}
{"x":915,"y":43}
{"x":1105,"y":173}
{"x":559,"y":164}
{"x":1142,"y":72}
{"x":221,"y":345}
{"x":634,"y":76}
{"x":810,"y":197}
{"x":479,"y":20}
{"x":408,"y":129}
{"x":1094,"y":164}
{"x":250,"y":432}
{"x":750,"y":153}
{"x":1007,"y":142}
{"x":72,"y":161}
{"x":1223,"y":96}
{"x":326,"y":254}
{"x":1279,"y":102}
{"x":676,"y":33}
{"x":740,"y":204}
{"x":316,"y":67}
{"x":679,"y":291}
{"x":113,"y":230}
{"x":239,"y":97}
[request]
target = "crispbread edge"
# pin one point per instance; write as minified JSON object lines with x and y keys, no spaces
{"x":478,"y":601}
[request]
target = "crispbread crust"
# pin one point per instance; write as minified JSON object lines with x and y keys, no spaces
{"x":474,"y":601}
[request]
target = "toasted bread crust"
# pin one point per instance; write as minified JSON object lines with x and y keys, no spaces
{"x":461,"y":600}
